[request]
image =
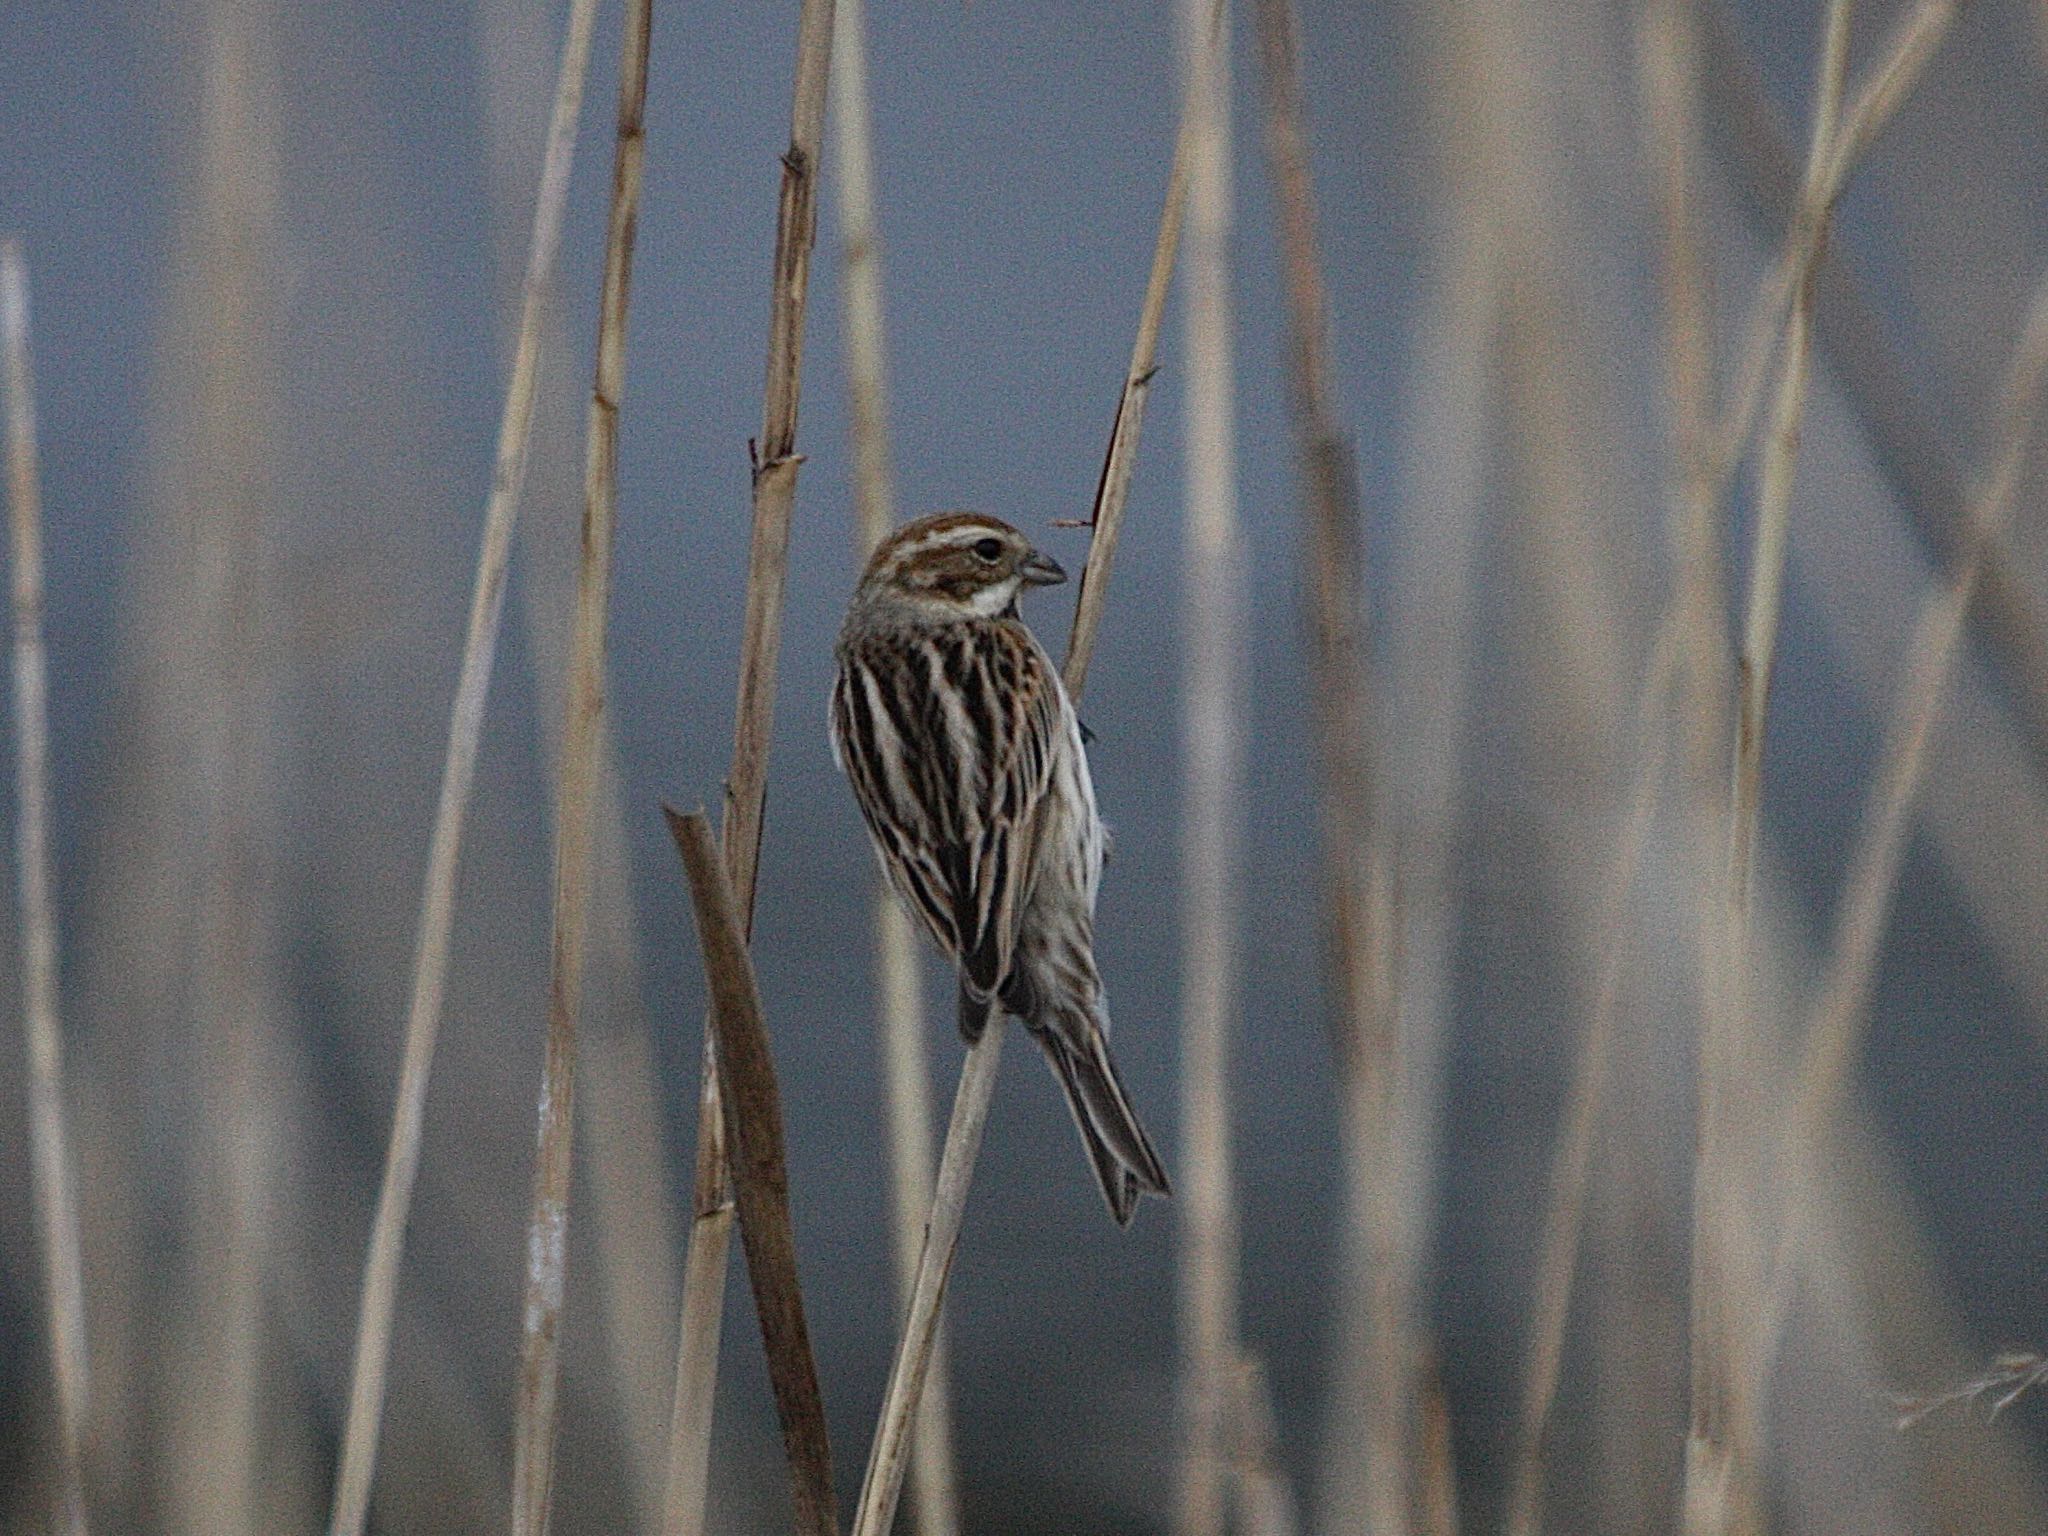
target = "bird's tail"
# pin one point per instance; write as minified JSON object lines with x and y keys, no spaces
{"x":1125,"y":1163}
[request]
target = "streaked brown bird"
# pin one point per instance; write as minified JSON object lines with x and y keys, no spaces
{"x":965,"y":754}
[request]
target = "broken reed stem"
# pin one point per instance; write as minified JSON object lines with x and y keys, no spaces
{"x":56,"y":1185}
{"x":1211,"y":739}
{"x":465,"y":732}
{"x":547,"y":1239}
{"x":883,"y":1482}
{"x":760,"y":1173}
{"x":1572,"y":1161}
{"x":1355,"y":855}
{"x":907,"y":1094}
{"x":774,"y":500}
{"x":1840,"y":1007}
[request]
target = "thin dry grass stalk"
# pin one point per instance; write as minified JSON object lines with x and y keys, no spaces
{"x":458,"y":773}
{"x":1211,"y":738}
{"x":1355,"y":853}
{"x":1719,"y":1463}
{"x":1840,"y":1007}
{"x":56,"y":1186}
{"x":906,"y":1069}
{"x":1572,"y":1161}
{"x":1909,"y":449}
{"x":547,"y":1240}
{"x":774,"y":500}
{"x":760,"y":1173}
{"x":1834,"y":149}
{"x":1265,"y":1502}
{"x":882,"y":1484}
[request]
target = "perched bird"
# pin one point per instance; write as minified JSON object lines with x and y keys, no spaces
{"x":966,"y":757}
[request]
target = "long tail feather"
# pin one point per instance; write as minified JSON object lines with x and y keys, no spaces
{"x":1125,"y":1163}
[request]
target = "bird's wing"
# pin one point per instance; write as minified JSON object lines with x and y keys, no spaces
{"x":949,"y":743}
{"x":1010,"y":695}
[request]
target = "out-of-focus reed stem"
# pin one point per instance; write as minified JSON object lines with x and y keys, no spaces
{"x":458,"y":773}
{"x":883,"y":1482}
{"x":547,"y":1240}
{"x":906,"y":1072}
{"x":1356,"y":852}
{"x":56,"y":1188}
{"x":760,"y":1173}
{"x":1211,"y":740}
{"x":1840,"y":1005}
{"x":774,"y":500}
{"x":1720,"y":1463}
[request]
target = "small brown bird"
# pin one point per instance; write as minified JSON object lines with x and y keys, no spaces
{"x":966,"y":757}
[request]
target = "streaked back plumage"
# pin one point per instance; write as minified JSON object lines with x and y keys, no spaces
{"x":966,"y":759}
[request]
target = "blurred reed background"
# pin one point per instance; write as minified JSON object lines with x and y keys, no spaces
{"x":1603,"y":315}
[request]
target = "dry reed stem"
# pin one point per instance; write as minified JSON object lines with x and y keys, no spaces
{"x":1212,"y":743}
{"x":882,"y":1484}
{"x":1720,"y":1470}
{"x":547,"y":1240}
{"x":760,"y":1173}
{"x":1436,"y":1492}
{"x":228,"y":493}
{"x":56,"y":1189}
{"x":1840,"y":1007}
{"x":458,"y":773}
{"x":1355,"y":851}
{"x":1688,"y":638}
{"x":1572,"y":1160}
{"x":774,"y":500}
{"x":1850,"y":131}
{"x":887,"y":1456}
{"x":1265,"y":1503}
{"x":906,"y":1070}
{"x":1910,"y":451}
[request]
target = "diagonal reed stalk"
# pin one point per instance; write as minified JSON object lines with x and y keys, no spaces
{"x":56,"y":1187}
{"x":1721,"y":1465}
{"x":1212,"y":741}
{"x":458,"y":773}
{"x":760,"y":1173}
{"x":887,"y":1456}
{"x":906,"y":1072}
{"x":774,"y":500}
{"x":1355,"y":850}
{"x":547,"y":1238}
{"x":1840,"y":1006}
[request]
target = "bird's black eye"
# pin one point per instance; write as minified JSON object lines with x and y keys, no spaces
{"x":990,"y":550}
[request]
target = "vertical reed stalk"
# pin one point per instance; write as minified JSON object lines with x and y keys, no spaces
{"x":1212,"y":691}
{"x":906,"y":1070}
{"x":883,"y":1482}
{"x":547,"y":1239}
{"x":774,"y":500}
{"x":1355,"y":845}
{"x":56,"y":1188}
{"x":458,"y":774}
{"x":229,"y":498}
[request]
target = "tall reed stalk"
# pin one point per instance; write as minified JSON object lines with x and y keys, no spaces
{"x":379,"y":1301}
{"x":776,"y":462}
{"x":547,"y":1240}
{"x":1211,"y":738}
{"x":1355,"y":844}
{"x":56,"y":1182}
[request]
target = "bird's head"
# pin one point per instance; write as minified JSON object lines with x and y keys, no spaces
{"x":956,"y":565}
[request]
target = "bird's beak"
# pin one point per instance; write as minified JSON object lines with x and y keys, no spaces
{"x":1042,"y":571}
